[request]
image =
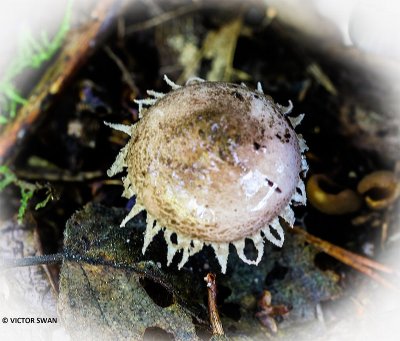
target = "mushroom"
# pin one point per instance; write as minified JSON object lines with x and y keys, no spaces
{"x":213,"y":163}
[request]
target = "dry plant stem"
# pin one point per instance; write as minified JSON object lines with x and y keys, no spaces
{"x":79,"y":45}
{"x":126,"y":76}
{"x":31,"y":261}
{"x":61,"y":175}
{"x":52,"y":280}
{"x":234,"y":28}
{"x":162,"y":18}
{"x":52,"y":277}
{"x":360,"y":263}
{"x":215,"y":321}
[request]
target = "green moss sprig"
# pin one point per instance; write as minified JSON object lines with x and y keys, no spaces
{"x":32,"y":54}
{"x":27,"y":191}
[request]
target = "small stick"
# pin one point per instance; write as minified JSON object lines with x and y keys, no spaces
{"x":162,"y":18}
{"x":57,"y":175}
{"x":51,"y":275}
{"x":79,"y":45}
{"x":360,"y":263}
{"x":215,"y":321}
{"x":31,"y":261}
{"x":126,"y":76}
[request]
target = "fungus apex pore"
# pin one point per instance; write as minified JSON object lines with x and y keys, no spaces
{"x":213,"y":163}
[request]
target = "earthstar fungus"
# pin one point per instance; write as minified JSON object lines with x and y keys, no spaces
{"x":214,"y":163}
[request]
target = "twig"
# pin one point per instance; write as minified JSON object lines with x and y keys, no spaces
{"x":31,"y":261}
{"x":360,"y":263}
{"x":49,"y":271}
{"x":126,"y":76}
{"x":80,"y":44}
{"x":57,"y":175}
{"x":215,"y":321}
{"x":166,"y":16}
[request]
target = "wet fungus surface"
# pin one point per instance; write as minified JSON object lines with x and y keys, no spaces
{"x":214,"y":163}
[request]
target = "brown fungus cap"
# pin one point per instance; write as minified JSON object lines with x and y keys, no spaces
{"x":214,"y":163}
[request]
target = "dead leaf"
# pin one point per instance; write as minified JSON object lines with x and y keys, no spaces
{"x":106,"y":303}
{"x":107,"y":289}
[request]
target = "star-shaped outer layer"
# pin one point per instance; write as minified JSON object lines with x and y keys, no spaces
{"x":214,"y":164}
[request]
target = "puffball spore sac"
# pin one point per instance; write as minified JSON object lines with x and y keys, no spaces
{"x":214,"y":163}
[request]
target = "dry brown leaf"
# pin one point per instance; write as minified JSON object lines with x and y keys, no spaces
{"x":100,"y":302}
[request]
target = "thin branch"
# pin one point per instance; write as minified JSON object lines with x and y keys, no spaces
{"x":160,"y":19}
{"x":31,"y":261}
{"x":215,"y":321}
{"x":358,"y":262}
{"x":126,"y":76}
{"x":79,"y":45}
{"x":57,"y":175}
